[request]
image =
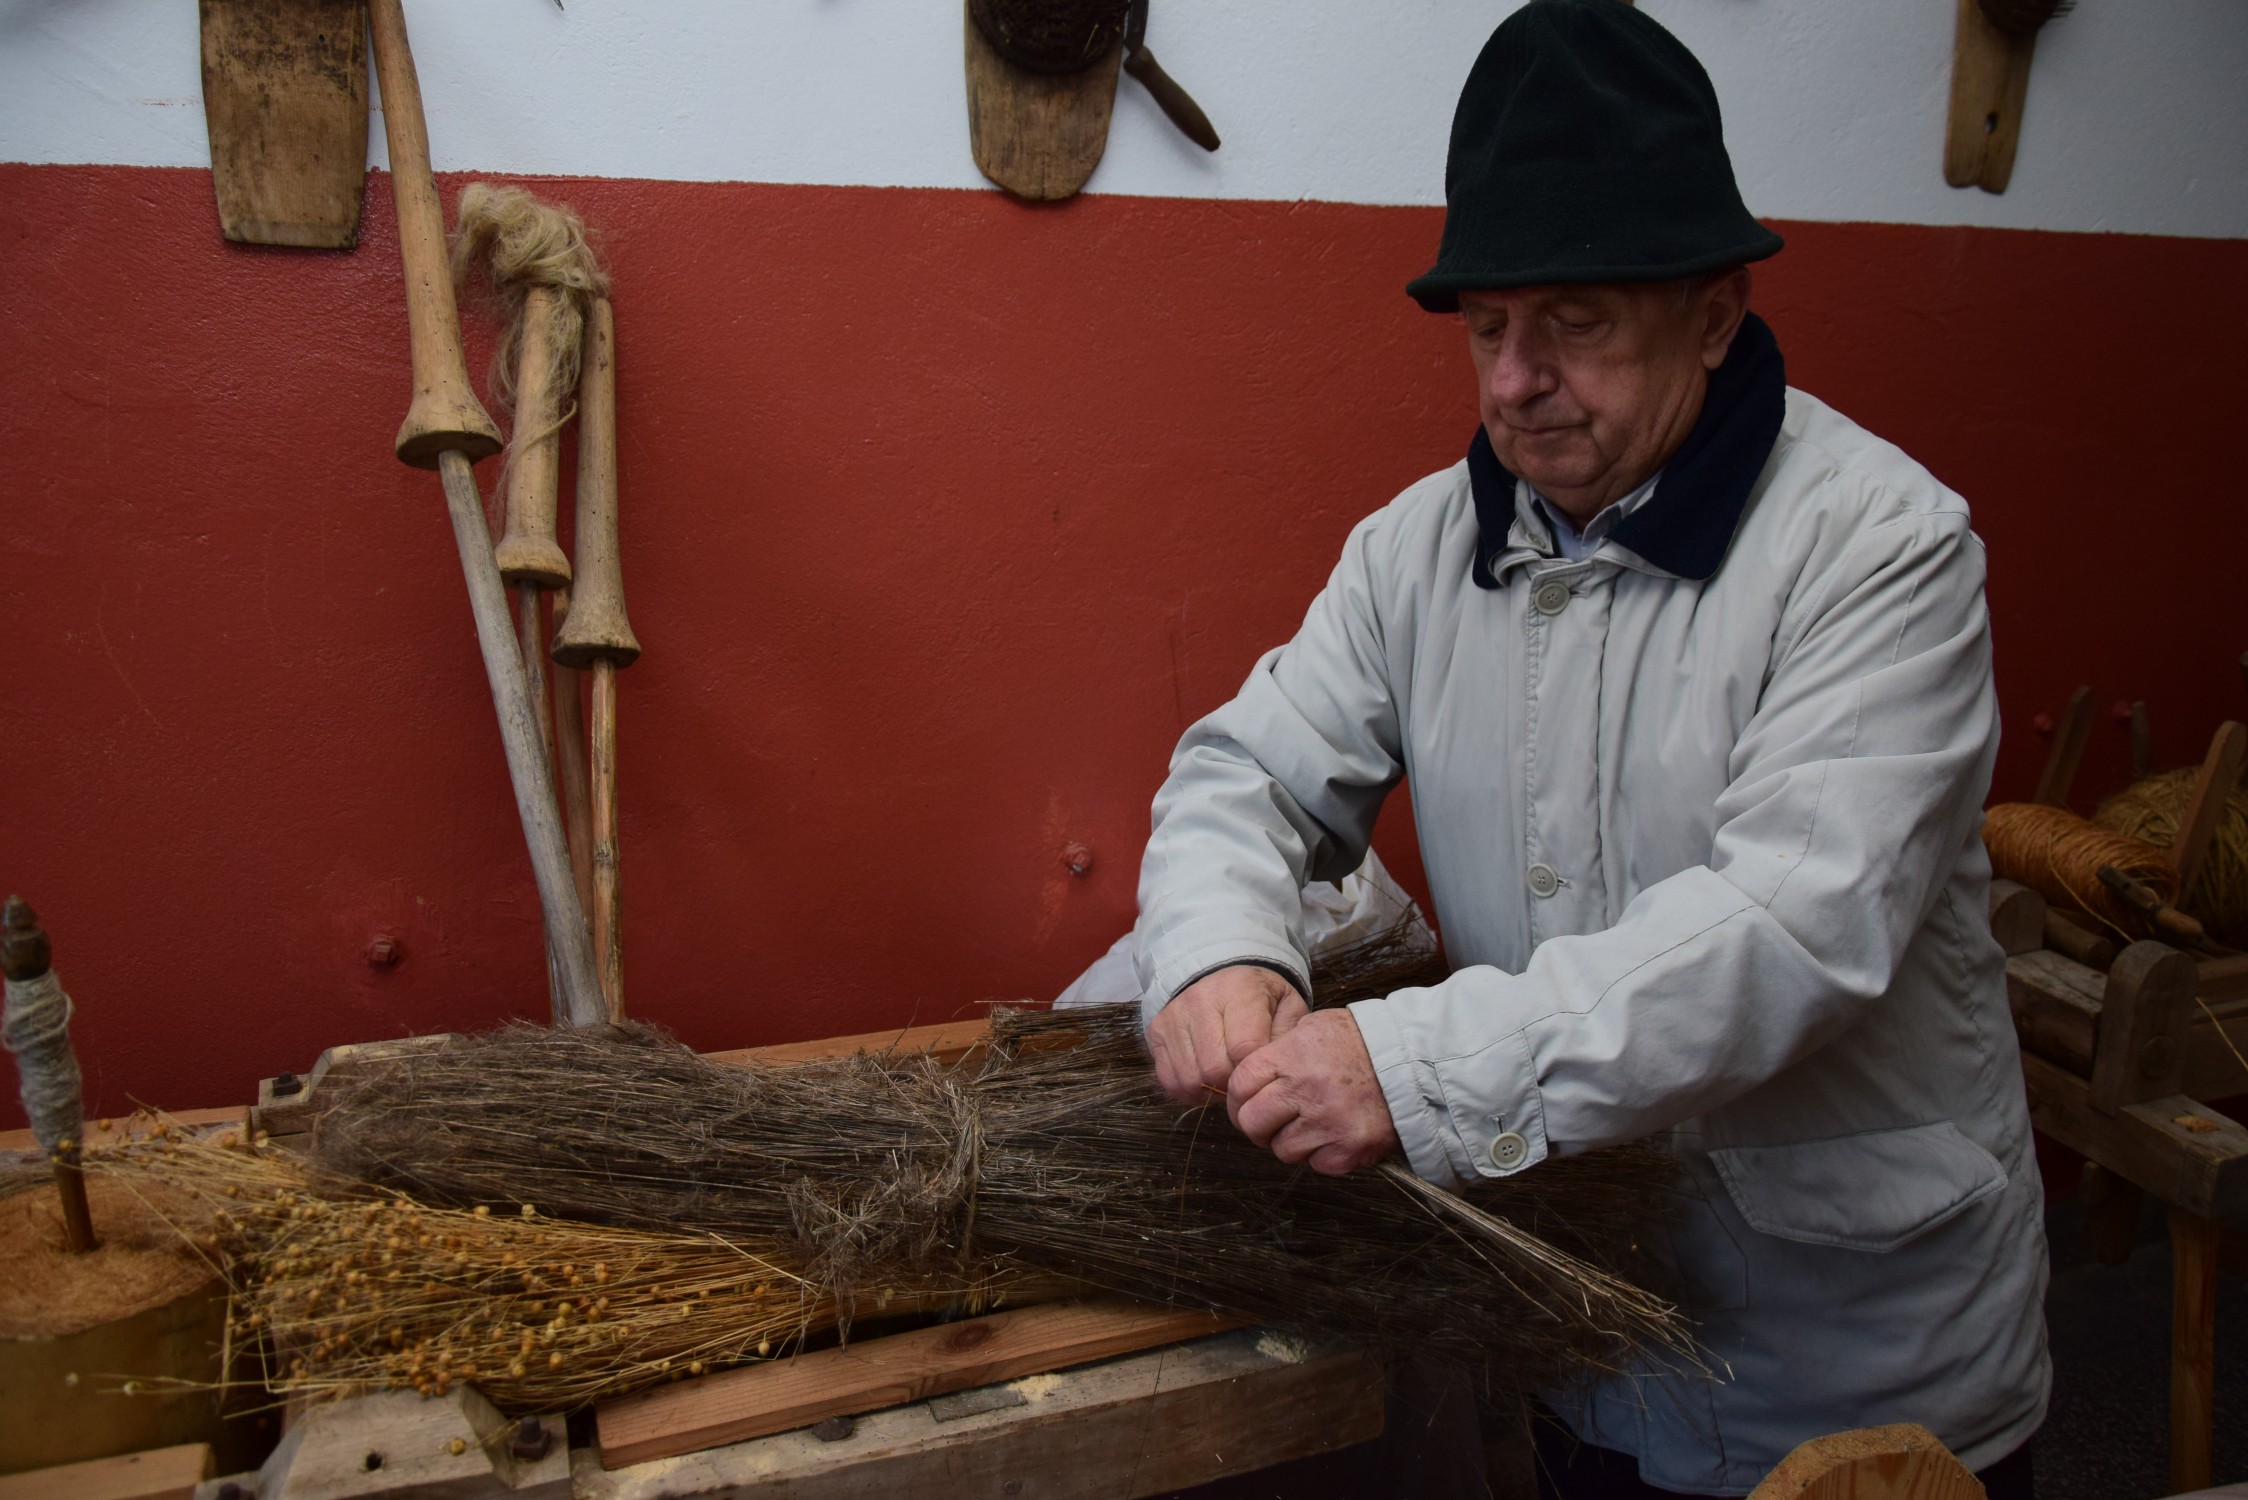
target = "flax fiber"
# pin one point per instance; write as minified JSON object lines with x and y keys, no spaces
{"x":2058,"y":854}
{"x":2151,"y":809}
{"x":1056,"y":1155}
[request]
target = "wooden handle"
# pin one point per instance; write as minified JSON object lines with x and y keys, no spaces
{"x":2205,"y":804}
{"x":566,"y":935}
{"x":608,"y":864}
{"x":446,"y":414}
{"x":596,"y":628}
{"x":528,"y":553}
{"x":570,"y":768}
{"x":1175,"y":101}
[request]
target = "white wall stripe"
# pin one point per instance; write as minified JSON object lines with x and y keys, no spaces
{"x":2137,"y":119}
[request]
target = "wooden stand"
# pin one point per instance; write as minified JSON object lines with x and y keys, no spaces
{"x":2111,"y":1061}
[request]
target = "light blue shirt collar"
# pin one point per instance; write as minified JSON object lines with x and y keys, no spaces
{"x":1571,"y":543}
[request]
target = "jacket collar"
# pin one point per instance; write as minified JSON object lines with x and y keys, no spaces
{"x":1688,"y":523}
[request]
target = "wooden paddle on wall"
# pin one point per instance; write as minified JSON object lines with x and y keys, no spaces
{"x":285,"y":100}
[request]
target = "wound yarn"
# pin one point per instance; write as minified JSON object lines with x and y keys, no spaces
{"x":36,"y":1029}
{"x":2058,"y":854}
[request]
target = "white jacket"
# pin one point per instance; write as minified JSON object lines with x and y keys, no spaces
{"x":1700,"y":815}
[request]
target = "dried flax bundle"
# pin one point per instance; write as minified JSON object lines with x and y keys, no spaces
{"x":338,"y":1291}
{"x":1057,"y":1154}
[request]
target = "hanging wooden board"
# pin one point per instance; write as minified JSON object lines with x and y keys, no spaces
{"x":285,"y":99}
{"x":1989,"y":83}
{"x":1038,"y":135}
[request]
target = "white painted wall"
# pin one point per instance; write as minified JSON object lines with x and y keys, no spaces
{"x":2137,"y":118}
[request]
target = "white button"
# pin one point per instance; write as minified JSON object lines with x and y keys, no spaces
{"x":1509,"y":1151}
{"x":1544,"y":880}
{"x":1552,"y":597}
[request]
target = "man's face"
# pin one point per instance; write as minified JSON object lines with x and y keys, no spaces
{"x":1587,"y":390}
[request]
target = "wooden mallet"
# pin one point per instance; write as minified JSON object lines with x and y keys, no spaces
{"x":37,"y":1031}
{"x":447,"y":429}
{"x":595,"y":633}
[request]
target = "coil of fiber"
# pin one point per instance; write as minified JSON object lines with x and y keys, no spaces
{"x":2058,"y":854}
{"x":2151,"y":810}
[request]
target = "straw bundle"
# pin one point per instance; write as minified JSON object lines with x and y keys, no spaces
{"x":2151,"y":810}
{"x":337,"y":1291}
{"x":1058,"y":1155}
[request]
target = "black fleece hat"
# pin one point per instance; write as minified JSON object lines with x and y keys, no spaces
{"x":1586,"y":147}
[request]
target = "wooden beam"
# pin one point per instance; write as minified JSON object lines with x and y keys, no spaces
{"x":2205,"y":805}
{"x":2064,"y":934}
{"x":2181,"y":1151}
{"x":949,"y":1041}
{"x":158,"y":1474}
{"x":1145,"y":1424}
{"x":2017,"y":917}
{"x":2069,"y":739}
{"x":755,"y":1400}
{"x":2217,"y":980}
{"x":2146,"y":1014}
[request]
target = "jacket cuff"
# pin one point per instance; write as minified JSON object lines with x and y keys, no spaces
{"x":1493,"y":1128}
{"x":1178,"y":958}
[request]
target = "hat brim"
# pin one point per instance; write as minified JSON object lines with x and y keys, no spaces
{"x":1439,"y":290}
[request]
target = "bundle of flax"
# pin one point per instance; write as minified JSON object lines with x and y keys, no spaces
{"x":1057,"y":1154}
{"x":337,"y":1290}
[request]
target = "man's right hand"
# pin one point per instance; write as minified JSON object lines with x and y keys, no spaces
{"x":1214,"y":1023}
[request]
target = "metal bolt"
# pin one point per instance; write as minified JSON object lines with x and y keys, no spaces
{"x":2044,"y":726}
{"x":532,"y":1441}
{"x":286,"y":1084}
{"x":1078,"y":859}
{"x":384,"y":951}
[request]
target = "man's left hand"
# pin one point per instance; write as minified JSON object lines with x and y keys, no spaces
{"x":1310,"y":1095}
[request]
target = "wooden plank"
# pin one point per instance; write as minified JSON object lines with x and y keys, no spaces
{"x":1901,"y":1462}
{"x":2146,"y":1012}
{"x":285,"y":102}
{"x":158,"y":1474}
{"x":108,"y":1131}
{"x":2205,"y":805}
{"x":2218,"y":980}
{"x":2193,"y":1349}
{"x":2214,"y":1070}
{"x":765,"y":1398}
{"x":2017,"y":917}
{"x":1146,"y":1424}
{"x":950,"y":1041}
{"x":2075,"y":728}
{"x":2183,"y":1152}
{"x":2056,"y":1005}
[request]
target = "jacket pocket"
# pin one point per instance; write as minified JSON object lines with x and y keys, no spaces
{"x":1873,"y":1191}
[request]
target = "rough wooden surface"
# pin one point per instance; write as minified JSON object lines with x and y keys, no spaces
{"x":1989,"y":84}
{"x":1038,"y":135}
{"x":285,"y":101}
{"x":2017,"y":917}
{"x":158,"y":1474}
{"x":756,"y":1400}
{"x":2146,"y":1015}
{"x":2075,"y":728}
{"x":2176,"y":1148}
{"x":2193,"y":1348}
{"x":1900,"y":1462}
{"x":2205,"y":804}
{"x":399,"y":1444}
{"x":1143,"y":1425}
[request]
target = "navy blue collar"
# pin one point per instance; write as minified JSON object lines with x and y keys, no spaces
{"x":1688,"y":523}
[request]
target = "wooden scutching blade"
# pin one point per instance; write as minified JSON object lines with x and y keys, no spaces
{"x":285,"y":100}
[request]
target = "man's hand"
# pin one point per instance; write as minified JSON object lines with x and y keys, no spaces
{"x":1312,"y":1096}
{"x":1214,"y":1023}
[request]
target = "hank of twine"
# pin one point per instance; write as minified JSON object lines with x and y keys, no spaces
{"x":36,"y":1029}
{"x":2152,"y":809}
{"x":2058,"y":854}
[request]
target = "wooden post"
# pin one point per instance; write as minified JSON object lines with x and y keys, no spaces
{"x":2193,"y":1348}
{"x":2145,"y":1015}
{"x":42,"y":1049}
{"x":2068,"y":740}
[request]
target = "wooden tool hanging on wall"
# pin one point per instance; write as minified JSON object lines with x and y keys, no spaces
{"x":1989,"y":84}
{"x":1042,"y":85}
{"x":285,"y":100}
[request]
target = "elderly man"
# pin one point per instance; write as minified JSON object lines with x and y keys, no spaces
{"x":1691,"y":678}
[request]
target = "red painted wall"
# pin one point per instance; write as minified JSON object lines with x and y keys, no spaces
{"x":943,"y":516}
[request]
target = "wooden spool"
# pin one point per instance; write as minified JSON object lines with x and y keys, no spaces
{"x":143,"y":1307}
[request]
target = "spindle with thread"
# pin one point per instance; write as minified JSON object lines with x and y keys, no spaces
{"x":2059,"y":854}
